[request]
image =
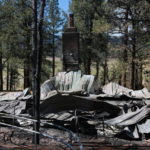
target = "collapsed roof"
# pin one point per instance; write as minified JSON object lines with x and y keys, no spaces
{"x":115,"y":89}
{"x":74,"y":91}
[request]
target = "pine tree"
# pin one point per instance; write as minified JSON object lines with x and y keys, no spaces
{"x":130,"y":18}
{"x":55,"y":23}
{"x":93,"y":28}
{"x":15,"y":37}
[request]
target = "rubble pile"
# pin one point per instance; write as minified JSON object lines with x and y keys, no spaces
{"x":77,"y":103}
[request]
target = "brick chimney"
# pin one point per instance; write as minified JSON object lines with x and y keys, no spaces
{"x":70,"y":43}
{"x":71,"y":20}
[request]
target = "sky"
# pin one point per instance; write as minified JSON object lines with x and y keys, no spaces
{"x":64,"y":5}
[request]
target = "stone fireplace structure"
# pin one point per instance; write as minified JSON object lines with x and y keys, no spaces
{"x":70,"y":46}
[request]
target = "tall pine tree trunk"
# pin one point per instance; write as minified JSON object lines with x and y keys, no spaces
{"x":84,"y":64}
{"x":27,"y":63}
{"x":53,"y":53}
{"x":124,"y":74}
{"x":88,"y":40}
{"x":133,"y":82}
{"x":89,"y":63}
{"x":133,"y":69}
{"x":7,"y":78}
{"x":105,"y":74}
{"x":141,"y":75}
{"x":26,"y":75}
{"x":11,"y":80}
{"x":1,"y":73}
{"x":97,"y":68}
{"x":89,"y":60}
{"x":136,"y":77}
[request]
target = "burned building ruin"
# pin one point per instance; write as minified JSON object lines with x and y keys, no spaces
{"x":71,"y":102}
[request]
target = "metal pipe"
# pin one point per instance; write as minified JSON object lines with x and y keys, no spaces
{"x":76,"y":138}
{"x":39,"y":133}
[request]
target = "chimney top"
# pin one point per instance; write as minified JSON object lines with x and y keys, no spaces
{"x":71,"y":20}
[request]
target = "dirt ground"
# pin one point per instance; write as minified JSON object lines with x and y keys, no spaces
{"x":23,"y":141}
{"x":87,"y":146}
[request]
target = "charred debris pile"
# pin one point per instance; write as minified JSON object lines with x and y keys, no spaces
{"x":77,"y":103}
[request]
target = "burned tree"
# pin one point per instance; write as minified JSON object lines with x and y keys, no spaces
{"x":37,"y":47}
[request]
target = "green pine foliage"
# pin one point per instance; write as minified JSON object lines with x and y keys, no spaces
{"x":114,"y":40}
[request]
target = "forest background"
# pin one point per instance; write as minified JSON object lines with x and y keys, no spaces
{"x":114,"y":41}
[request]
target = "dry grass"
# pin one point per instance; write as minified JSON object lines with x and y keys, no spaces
{"x":111,"y":63}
